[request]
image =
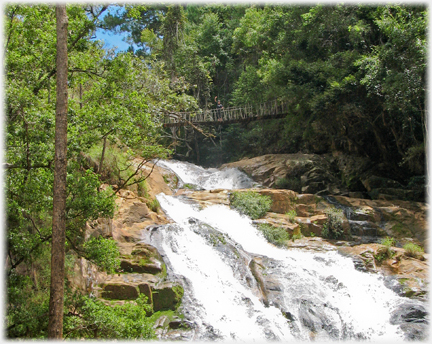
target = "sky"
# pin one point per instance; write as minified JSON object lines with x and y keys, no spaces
{"x":112,"y":40}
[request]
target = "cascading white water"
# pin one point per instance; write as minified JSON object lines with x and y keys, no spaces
{"x":320,"y":295}
{"x":208,"y":179}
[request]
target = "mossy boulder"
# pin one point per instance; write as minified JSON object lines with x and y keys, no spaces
{"x":167,"y":296}
{"x":144,"y":258}
{"x":120,"y":291}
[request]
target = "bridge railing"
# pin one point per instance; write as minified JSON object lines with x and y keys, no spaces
{"x":270,"y":108}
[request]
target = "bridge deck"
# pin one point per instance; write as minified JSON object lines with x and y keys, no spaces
{"x":272,"y":109}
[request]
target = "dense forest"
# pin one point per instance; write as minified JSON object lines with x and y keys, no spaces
{"x":354,"y":76}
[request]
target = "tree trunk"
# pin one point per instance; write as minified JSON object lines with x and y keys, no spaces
{"x":55,"y":323}
{"x":80,"y":95}
{"x":197,"y":148}
{"x":102,"y":156}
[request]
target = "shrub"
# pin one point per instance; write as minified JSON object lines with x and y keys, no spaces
{"x":413,"y":250}
{"x":383,"y":253}
{"x":98,"y":320}
{"x":386,"y":251}
{"x":275,"y":235}
{"x":154,"y":205}
{"x":103,"y":252}
{"x":388,"y":241}
{"x":332,"y":228}
{"x":251,"y":203}
{"x":291,"y":215}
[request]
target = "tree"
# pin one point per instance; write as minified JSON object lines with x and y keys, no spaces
{"x":119,"y":99}
{"x":55,"y":325}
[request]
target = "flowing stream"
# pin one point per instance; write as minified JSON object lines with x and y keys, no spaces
{"x":239,"y":287}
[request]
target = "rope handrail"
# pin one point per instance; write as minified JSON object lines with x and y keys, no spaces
{"x":268,"y":109}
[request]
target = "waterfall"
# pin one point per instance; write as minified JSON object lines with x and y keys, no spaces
{"x":208,"y":179}
{"x":239,"y":287}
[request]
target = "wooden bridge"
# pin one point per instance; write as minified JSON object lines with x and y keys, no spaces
{"x":271,"y":109}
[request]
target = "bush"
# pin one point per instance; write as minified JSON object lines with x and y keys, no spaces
{"x":104,"y":253}
{"x":386,"y":251}
{"x":96,"y":320}
{"x":388,"y":241}
{"x":413,"y":250}
{"x":153,"y":205}
{"x":275,"y":235}
{"x":332,"y":228}
{"x":291,"y":215}
{"x":251,"y":203}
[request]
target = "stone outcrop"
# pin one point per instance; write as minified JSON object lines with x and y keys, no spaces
{"x":307,"y":173}
{"x":335,"y":174}
{"x":142,"y":269}
{"x":301,"y":212}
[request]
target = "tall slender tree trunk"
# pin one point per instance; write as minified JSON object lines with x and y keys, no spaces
{"x":55,"y":323}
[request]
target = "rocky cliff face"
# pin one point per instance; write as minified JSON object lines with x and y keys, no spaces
{"x":328,"y":175}
{"x":365,"y":221}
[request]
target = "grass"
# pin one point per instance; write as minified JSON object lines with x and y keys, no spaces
{"x":291,"y":215}
{"x":385,"y":252}
{"x":153,"y":205}
{"x":388,"y":241}
{"x":413,"y":250}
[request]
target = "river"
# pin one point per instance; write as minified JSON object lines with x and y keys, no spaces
{"x":239,"y":287}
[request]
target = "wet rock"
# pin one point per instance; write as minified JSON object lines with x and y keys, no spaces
{"x":413,"y":320}
{"x":177,"y":323}
{"x":317,"y":318}
{"x":161,"y":322}
{"x":167,"y":296}
{"x":388,"y":189}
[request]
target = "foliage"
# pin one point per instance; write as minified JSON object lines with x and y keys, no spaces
{"x":92,"y":319}
{"x":332,"y":228}
{"x":297,"y":236}
{"x":250,"y":203}
{"x":28,"y":297}
{"x":388,"y":241}
{"x":354,"y":77}
{"x":413,"y":250}
{"x":275,"y":235}
{"x":154,"y":205}
{"x":114,"y":118}
{"x":385,"y":252}
{"x":104,"y":253}
{"x":291,"y":215}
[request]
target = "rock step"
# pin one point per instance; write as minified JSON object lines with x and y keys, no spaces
{"x":140,"y":267}
{"x":164,"y":296}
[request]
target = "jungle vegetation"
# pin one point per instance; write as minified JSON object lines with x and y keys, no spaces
{"x":355,"y":77}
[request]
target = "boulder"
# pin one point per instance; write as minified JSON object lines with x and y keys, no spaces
{"x":120,"y":291}
{"x":167,"y":296}
{"x":306,"y":173}
{"x":144,"y":258}
{"x":282,"y":200}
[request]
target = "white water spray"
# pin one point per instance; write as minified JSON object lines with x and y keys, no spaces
{"x":321,"y":296}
